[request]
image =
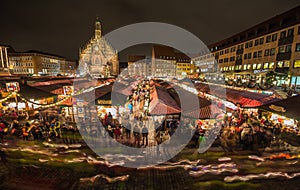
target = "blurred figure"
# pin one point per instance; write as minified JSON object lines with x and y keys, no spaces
{"x":25,"y":133}
{"x":145,"y":135}
{"x":64,"y":134}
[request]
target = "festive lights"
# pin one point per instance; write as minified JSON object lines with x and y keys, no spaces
{"x":13,"y":94}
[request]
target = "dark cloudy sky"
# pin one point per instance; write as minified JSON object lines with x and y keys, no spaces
{"x":62,"y":26}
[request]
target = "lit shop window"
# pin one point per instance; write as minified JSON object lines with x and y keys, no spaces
{"x":297,"y":64}
{"x":266,"y":65}
{"x":279,"y":64}
{"x":259,"y":66}
{"x":249,"y":66}
{"x":286,"y":64}
{"x":271,"y":65}
{"x":254,"y":66}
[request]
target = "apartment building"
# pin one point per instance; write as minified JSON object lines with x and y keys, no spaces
{"x":138,"y":65}
{"x":37,"y":63}
{"x":273,"y":45}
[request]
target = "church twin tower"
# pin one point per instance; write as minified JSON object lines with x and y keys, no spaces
{"x":98,"y":58}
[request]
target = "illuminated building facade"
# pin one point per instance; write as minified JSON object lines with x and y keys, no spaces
{"x":273,"y":45}
{"x":163,"y":61}
{"x":39,"y":64}
{"x":138,"y":65}
{"x":98,"y":58}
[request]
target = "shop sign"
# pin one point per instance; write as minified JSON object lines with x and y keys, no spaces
{"x":260,"y":71}
{"x":12,"y":87}
{"x":277,"y":108}
{"x":103,"y":102}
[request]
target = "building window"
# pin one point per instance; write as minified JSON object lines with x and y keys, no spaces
{"x":254,"y":66}
{"x":220,"y":60}
{"x":272,"y":51}
{"x":261,"y":41}
{"x":274,"y":37}
{"x":286,"y":64}
{"x":221,"y":52}
{"x":245,"y":56}
{"x":255,"y":55}
{"x":248,"y":67}
{"x":245,"y":67}
{"x":268,"y":39}
{"x":279,"y":64}
{"x":297,"y":47}
{"x":225,"y":60}
{"x":297,"y":64}
{"x":271,"y":65}
{"x":267,"y":52}
{"x":256,"y":42}
{"x":259,"y":53}
{"x":266,"y":65}
{"x":246,"y":45}
{"x":250,"y":44}
{"x":288,"y":48}
{"x":298,"y":29}
{"x":283,"y":34}
{"x":281,"y":49}
{"x":249,"y":55}
{"x":258,"y":66}
{"x":290,"y":32}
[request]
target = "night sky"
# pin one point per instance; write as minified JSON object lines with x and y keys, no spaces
{"x":62,"y":26}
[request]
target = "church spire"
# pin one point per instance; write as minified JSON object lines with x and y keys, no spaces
{"x":97,"y":29}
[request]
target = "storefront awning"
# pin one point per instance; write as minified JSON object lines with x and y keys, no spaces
{"x":288,"y":107}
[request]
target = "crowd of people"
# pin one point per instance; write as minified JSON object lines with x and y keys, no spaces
{"x":241,"y":129}
{"x":39,"y":128}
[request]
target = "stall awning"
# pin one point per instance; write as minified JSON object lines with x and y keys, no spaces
{"x":30,"y":92}
{"x":162,"y":103}
{"x":288,"y":107}
{"x":245,"y":98}
{"x":207,"y":112}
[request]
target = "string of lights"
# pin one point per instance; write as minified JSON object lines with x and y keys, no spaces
{"x":12,"y":95}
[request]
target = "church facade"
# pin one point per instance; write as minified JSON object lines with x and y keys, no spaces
{"x":98,"y":58}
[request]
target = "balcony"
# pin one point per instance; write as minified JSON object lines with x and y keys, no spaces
{"x":283,"y":56}
{"x":286,"y":40}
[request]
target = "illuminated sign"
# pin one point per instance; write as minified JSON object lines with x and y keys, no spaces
{"x":260,"y":71}
{"x":277,"y":108}
{"x":12,"y":87}
{"x":103,"y":102}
